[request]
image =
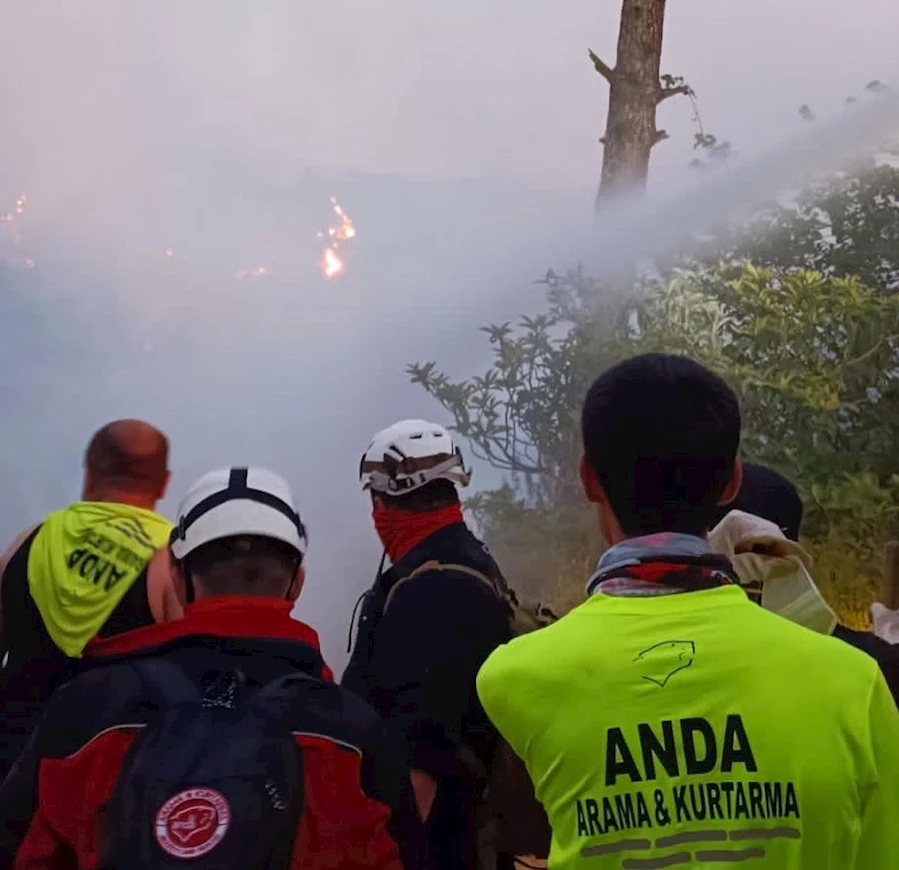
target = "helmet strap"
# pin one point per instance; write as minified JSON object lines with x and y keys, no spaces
{"x":296,"y":569}
{"x":189,"y":591}
{"x":177,"y":533}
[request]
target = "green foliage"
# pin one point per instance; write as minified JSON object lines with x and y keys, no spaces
{"x":847,"y":225}
{"x":859,"y":501}
{"x":799,"y":313}
{"x":716,"y":150}
{"x":549,"y":550}
{"x":521,"y":415}
{"x":810,"y":356}
{"x":851,"y":519}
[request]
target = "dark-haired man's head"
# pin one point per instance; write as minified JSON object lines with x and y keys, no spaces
{"x":661,"y":435}
{"x":768,"y":494}
{"x":249,"y":565}
{"x":127,"y":462}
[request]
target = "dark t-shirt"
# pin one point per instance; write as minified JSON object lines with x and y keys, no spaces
{"x":417,"y":663}
{"x":885,"y":654}
{"x":33,"y":667}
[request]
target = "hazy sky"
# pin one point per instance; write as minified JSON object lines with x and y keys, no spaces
{"x":498,"y":89}
{"x":135,"y":125}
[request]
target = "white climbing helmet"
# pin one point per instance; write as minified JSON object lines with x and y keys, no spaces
{"x":409,"y":454}
{"x":237,"y":501}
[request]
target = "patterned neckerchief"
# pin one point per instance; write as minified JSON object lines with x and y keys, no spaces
{"x":660,"y":564}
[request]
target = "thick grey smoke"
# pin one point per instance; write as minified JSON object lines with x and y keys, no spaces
{"x":288,"y":369}
{"x":212,"y":130}
{"x":666,"y":225}
{"x":139,"y":220}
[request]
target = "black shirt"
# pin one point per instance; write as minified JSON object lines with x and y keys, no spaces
{"x":416,"y":663}
{"x":32,"y":666}
{"x":885,"y":654}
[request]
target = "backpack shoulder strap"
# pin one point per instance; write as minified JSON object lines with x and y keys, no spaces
{"x":465,"y":569}
{"x":272,"y":703}
{"x":525,"y":615}
{"x":434,"y":565}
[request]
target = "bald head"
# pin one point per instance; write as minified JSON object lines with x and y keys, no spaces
{"x":127,"y":461}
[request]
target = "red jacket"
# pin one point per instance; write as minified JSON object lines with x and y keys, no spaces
{"x":359,"y":808}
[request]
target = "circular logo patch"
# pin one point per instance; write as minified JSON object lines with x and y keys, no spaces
{"x":192,"y":823}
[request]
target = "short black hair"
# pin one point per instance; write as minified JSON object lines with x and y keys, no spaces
{"x":244,"y":565}
{"x":768,"y":494}
{"x":661,"y":433}
{"x":433,"y":496}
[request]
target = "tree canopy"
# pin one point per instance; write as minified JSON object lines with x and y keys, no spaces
{"x":799,"y":315}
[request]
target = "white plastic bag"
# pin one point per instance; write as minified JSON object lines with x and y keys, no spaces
{"x":886,"y":622}
{"x":774,"y":568}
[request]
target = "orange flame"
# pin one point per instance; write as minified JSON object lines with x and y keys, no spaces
{"x":346,"y":230}
{"x":331,"y":263}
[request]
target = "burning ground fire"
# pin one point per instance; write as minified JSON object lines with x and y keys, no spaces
{"x":331,"y":263}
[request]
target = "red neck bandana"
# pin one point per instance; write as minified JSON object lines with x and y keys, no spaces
{"x":400,"y":531}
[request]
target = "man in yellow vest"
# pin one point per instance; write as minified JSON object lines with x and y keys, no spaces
{"x":81,"y":573}
{"x":669,"y":721}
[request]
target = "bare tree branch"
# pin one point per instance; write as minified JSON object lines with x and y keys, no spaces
{"x":601,"y":66}
{"x":871,"y":351}
{"x":659,"y":136}
{"x":679,"y":90}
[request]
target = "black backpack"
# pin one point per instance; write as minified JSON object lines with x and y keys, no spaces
{"x":214,"y":780}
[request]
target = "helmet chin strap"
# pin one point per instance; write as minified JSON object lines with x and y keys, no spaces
{"x":287,"y":595}
{"x":190,"y":594}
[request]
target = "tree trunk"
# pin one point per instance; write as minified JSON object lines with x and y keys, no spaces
{"x":634,"y":93}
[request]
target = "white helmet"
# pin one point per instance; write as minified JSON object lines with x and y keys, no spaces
{"x":409,"y":454}
{"x":237,"y":501}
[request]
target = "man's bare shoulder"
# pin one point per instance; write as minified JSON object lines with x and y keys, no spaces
{"x":14,"y":547}
{"x":11,"y":551}
{"x":164,"y":602}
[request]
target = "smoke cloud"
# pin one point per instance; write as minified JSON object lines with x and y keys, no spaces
{"x":167,"y":147}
